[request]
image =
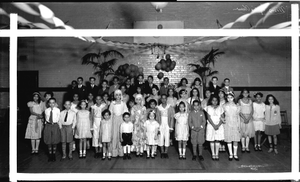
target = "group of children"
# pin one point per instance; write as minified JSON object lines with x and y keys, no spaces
{"x":141,"y":116}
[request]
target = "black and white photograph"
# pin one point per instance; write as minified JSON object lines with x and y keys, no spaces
{"x":152,"y":103}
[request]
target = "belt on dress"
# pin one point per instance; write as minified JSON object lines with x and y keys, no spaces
{"x":51,"y":123}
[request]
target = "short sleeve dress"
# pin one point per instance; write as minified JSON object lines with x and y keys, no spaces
{"x":83,"y":125}
{"x":151,"y":128}
{"x":138,"y":118}
{"x":247,"y":129}
{"x":232,"y":122}
{"x":106,"y":127}
{"x":215,"y":115}
{"x":181,"y":126}
{"x":35,"y":126}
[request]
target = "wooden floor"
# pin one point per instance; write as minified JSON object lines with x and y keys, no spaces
{"x":257,"y":162}
{"x":254,"y":162}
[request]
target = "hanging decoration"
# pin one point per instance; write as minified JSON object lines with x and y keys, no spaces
{"x":165,"y":64}
{"x":129,"y":70}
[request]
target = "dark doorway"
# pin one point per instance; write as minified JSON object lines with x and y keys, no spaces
{"x":27,"y":83}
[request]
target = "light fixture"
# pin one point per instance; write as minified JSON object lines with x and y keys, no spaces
{"x":159,"y":6}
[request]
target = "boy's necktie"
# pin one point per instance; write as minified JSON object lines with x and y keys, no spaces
{"x":66,"y":116}
{"x":51,"y":117}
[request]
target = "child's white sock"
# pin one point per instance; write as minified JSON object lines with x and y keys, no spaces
{"x":180,"y":151}
{"x":235,"y":150}
{"x":183,"y":151}
{"x":84,"y":151}
{"x":229,"y":148}
{"x":148,"y":151}
{"x":247,"y":142}
{"x":124,"y":150}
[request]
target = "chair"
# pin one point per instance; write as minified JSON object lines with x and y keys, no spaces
{"x":285,"y":126}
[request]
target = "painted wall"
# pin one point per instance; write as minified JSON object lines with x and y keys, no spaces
{"x":249,"y":62}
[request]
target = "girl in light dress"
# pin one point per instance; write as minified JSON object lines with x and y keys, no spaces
{"x":35,"y":122}
{"x":155,"y":95}
{"x":151,"y":130}
{"x":83,"y":127}
{"x":273,"y":121}
{"x":214,"y":130}
{"x":222,"y":97}
{"x":246,"y":112}
{"x":90,"y":101}
{"x":259,"y":109}
{"x":106,"y":99}
{"x":181,"y":129}
{"x":183,"y":85}
{"x":96,"y":112}
{"x":138,"y":113}
{"x":198,"y":85}
{"x":172,"y":99}
{"x":231,"y":126}
{"x":183,"y":97}
{"x":74,"y":103}
{"x":194,"y":95}
{"x":206,"y":98}
{"x":106,"y":133}
{"x":117,"y":109}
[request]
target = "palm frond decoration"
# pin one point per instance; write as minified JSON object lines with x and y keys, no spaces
{"x":203,"y":68}
{"x":102,"y":62}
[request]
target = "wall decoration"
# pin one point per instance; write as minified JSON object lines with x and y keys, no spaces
{"x":203,"y":68}
{"x":102,"y":62}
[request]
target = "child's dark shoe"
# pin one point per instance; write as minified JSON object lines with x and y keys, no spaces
{"x":201,"y":158}
{"x":194,"y":158}
{"x":128,"y":157}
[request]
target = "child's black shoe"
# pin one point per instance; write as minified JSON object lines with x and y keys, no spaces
{"x":194,"y":158}
{"x":201,"y":158}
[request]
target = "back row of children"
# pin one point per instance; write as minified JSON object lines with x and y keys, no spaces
{"x":121,"y":125}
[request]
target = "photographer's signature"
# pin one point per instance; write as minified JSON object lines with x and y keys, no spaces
{"x":247,"y":8}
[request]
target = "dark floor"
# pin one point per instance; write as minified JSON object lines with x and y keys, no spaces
{"x":257,"y":162}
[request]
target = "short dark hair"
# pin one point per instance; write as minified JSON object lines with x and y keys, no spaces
{"x":155,"y":86}
{"x":52,"y":98}
{"x":196,"y":101}
{"x":105,"y":111}
{"x":92,"y":78}
{"x":258,"y":93}
{"x":115,"y":77}
{"x":49,"y":92}
{"x":140,"y":75}
{"x":150,"y":76}
{"x":211,"y":98}
{"x":214,"y":77}
{"x":226,"y":79}
{"x":163,"y":95}
{"x":152,"y":101}
{"x":166,"y":78}
{"x":80,"y":78}
{"x":104,"y":81}
{"x":125,"y":113}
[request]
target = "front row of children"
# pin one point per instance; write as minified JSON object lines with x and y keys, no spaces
{"x":118,"y":132}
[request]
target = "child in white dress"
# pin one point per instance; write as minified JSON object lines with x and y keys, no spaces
{"x":83,"y":127}
{"x":259,"y":109}
{"x":214,"y":130}
{"x":106,"y":133}
{"x":182,"y":129}
{"x":96,"y":111}
{"x":151,"y":130}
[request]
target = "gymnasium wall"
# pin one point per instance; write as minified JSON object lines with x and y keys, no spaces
{"x":248,"y":62}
